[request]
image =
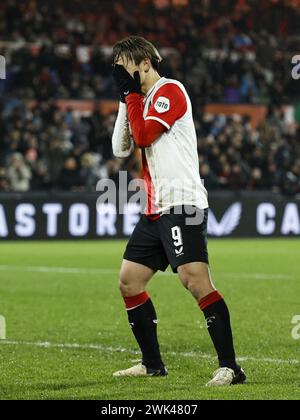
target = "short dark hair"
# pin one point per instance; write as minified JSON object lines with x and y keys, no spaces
{"x":136,"y":48}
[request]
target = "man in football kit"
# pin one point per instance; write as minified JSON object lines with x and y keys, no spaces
{"x":156,"y":114}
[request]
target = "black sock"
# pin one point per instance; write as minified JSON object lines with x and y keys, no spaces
{"x":219,"y":327}
{"x":143,"y":322}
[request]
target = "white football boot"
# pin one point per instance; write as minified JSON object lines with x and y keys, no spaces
{"x":227,"y":377}
{"x":141,"y":370}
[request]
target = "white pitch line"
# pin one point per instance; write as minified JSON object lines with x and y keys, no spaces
{"x":103,"y":271}
{"x":99,"y":347}
{"x":259,"y":276}
{"x":64,"y":270}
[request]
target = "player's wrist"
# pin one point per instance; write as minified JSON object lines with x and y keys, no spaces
{"x":130,"y":88}
{"x":122,"y":99}
{"x":133,"y":96}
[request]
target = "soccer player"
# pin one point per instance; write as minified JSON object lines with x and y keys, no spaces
{"x":158,"y":113}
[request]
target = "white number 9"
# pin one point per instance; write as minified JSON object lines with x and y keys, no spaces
{"x":177,"y":236}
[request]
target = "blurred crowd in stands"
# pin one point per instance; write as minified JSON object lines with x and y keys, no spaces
{"x":224,"y":51}
{"x":233,"y":51}
{"x":45,"y":148}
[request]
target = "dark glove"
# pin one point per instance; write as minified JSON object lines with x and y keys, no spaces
{"x":125,"y":82}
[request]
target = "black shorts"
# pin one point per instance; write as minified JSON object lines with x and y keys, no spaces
{"x":170,"y":240}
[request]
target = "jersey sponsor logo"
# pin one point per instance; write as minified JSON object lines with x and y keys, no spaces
{"x":162,"y":104}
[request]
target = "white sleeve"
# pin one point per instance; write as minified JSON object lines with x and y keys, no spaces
{"x":122,"y":142}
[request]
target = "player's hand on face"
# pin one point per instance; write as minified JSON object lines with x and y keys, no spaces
{"x":128,"y":65}
{"x":126,"y":82}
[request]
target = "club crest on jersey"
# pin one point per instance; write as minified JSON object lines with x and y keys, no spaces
{"x":162,"y":104}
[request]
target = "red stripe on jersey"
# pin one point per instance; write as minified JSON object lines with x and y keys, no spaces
{"x":151,"y":208}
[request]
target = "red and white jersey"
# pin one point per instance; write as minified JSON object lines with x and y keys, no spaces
{"x":171,"y":165}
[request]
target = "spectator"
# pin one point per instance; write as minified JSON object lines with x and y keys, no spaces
{"x":92,"y":170}
{"x":4,"y":186}
{"x":256,"y":180}
{"x":210,"y":180}
{"x":18,"y":173}
{"x":70,"y":179}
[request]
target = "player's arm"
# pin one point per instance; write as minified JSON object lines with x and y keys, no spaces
{"x":122,"y":142}
{"x":144,"y":132}
{"x":169,"y":104}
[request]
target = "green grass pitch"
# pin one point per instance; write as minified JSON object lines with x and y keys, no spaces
{"x":67,"y":328}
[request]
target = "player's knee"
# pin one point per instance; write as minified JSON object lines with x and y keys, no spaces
{"x":195,"y":282}
{"x":194,"y":286}
{"x":190,"y":284}
{"x":187,"y":276}
{"x":126,"y":285}
{"x":125,"y":289}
